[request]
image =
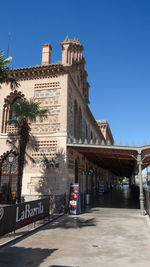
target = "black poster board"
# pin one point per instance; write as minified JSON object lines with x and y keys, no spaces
{"x":18,"y":215}
{"x":31,"y":211}
{"x":74,"y":199}
{"x":7,"y":219}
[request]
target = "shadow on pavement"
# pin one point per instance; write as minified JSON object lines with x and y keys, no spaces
{"x":72,"y":222}
{"x":62,"y":266}
{"x":22,"y":257}
{"x":65,"y":222}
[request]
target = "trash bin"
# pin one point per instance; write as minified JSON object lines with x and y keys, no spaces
{"x":87,"y":199}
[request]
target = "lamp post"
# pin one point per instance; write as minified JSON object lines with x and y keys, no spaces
{"x":10,"y":159}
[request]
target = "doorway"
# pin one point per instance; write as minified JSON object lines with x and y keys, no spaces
{"x":8,"y":180}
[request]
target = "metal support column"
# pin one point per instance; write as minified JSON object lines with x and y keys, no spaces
{"x":139,"y":161}
{"x":83,"y":188}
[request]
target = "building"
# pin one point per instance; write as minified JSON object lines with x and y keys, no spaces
{"x":63,"y":89}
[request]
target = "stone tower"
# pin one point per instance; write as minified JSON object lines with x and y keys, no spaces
{"x":71,"y":51}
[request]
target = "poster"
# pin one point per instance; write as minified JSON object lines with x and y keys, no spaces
{"x":16,"y":216}
{"x":74,"y":199}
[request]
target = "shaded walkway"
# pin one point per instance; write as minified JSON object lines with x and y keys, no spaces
{"x":105,"y":237}
{"x":123,"y":161}
{"x":121,"y":197}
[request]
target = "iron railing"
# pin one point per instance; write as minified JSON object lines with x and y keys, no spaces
{"x":57,"y":203}
{"x":147,"y":201}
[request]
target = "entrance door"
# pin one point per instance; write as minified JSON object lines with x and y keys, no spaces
{"x":8,"y":181}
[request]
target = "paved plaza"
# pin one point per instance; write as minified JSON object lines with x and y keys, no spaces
{"x":101,"y":236}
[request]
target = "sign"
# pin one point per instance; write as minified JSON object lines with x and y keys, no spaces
{"x":102,"y":187}
{"x":90,"y":172}
{"x":32,"y":211}
{"x":74,"y":199}
{"x":16,"y":216}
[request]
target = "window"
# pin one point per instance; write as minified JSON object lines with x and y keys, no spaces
{"x":76,"y":119}
{"x":8,"y":114}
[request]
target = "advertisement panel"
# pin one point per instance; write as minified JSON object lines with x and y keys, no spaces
{"x":7,"y":219}
{"x":16,"y":216}
{"x":74,"y":199}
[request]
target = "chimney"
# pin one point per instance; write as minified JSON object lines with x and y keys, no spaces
{"x":46,"y":54}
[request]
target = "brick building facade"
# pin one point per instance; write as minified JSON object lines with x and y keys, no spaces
{"x":62,"y":88}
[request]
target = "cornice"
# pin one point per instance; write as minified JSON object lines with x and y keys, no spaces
{"x":38,"y":72}
{"x":52,"y":70}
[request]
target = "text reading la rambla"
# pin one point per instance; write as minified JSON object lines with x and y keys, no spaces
{"x":29,"y":212}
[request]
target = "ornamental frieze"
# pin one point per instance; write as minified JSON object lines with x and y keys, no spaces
{"x":52,"y":109}
{"x":46,"y":163}
{"x":47,"y":149}
{"x":55,"y":100}
{"x":53,"y":128}
{"x":48,"y":119}
{"x":47,"y":92}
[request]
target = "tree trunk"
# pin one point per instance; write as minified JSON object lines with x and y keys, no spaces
{"x":23,"y":140}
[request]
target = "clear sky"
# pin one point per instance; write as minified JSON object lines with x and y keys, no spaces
{"x":116,"y":39}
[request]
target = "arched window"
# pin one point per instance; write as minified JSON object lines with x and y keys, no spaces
{"x":91,"y":135}
{"x":86,"y":132}
{"x":76,"y":119}
{"x":80,"y":123}
{"x":12,"y":115}
{"x":7,"y":113}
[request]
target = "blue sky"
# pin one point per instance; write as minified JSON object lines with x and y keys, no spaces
{"x":116,"y":39}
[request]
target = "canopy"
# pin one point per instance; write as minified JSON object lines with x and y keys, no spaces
{"x":121,"y":160}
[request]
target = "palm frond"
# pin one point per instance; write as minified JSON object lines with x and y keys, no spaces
{"x":13,"y":122}
{"x":6,"y":74}
{"x":25,"y":110}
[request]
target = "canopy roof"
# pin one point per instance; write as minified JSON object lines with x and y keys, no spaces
{"x":120,"y":160}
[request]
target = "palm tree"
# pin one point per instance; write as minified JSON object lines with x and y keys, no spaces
{"x":6,"y":74}
{"x":22,"y":113}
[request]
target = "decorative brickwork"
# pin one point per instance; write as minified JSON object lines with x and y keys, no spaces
{"x":46,"y":143}
{"x":47,"y":85}
{"x":11,"y":129}
{"x":45,"y":149}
